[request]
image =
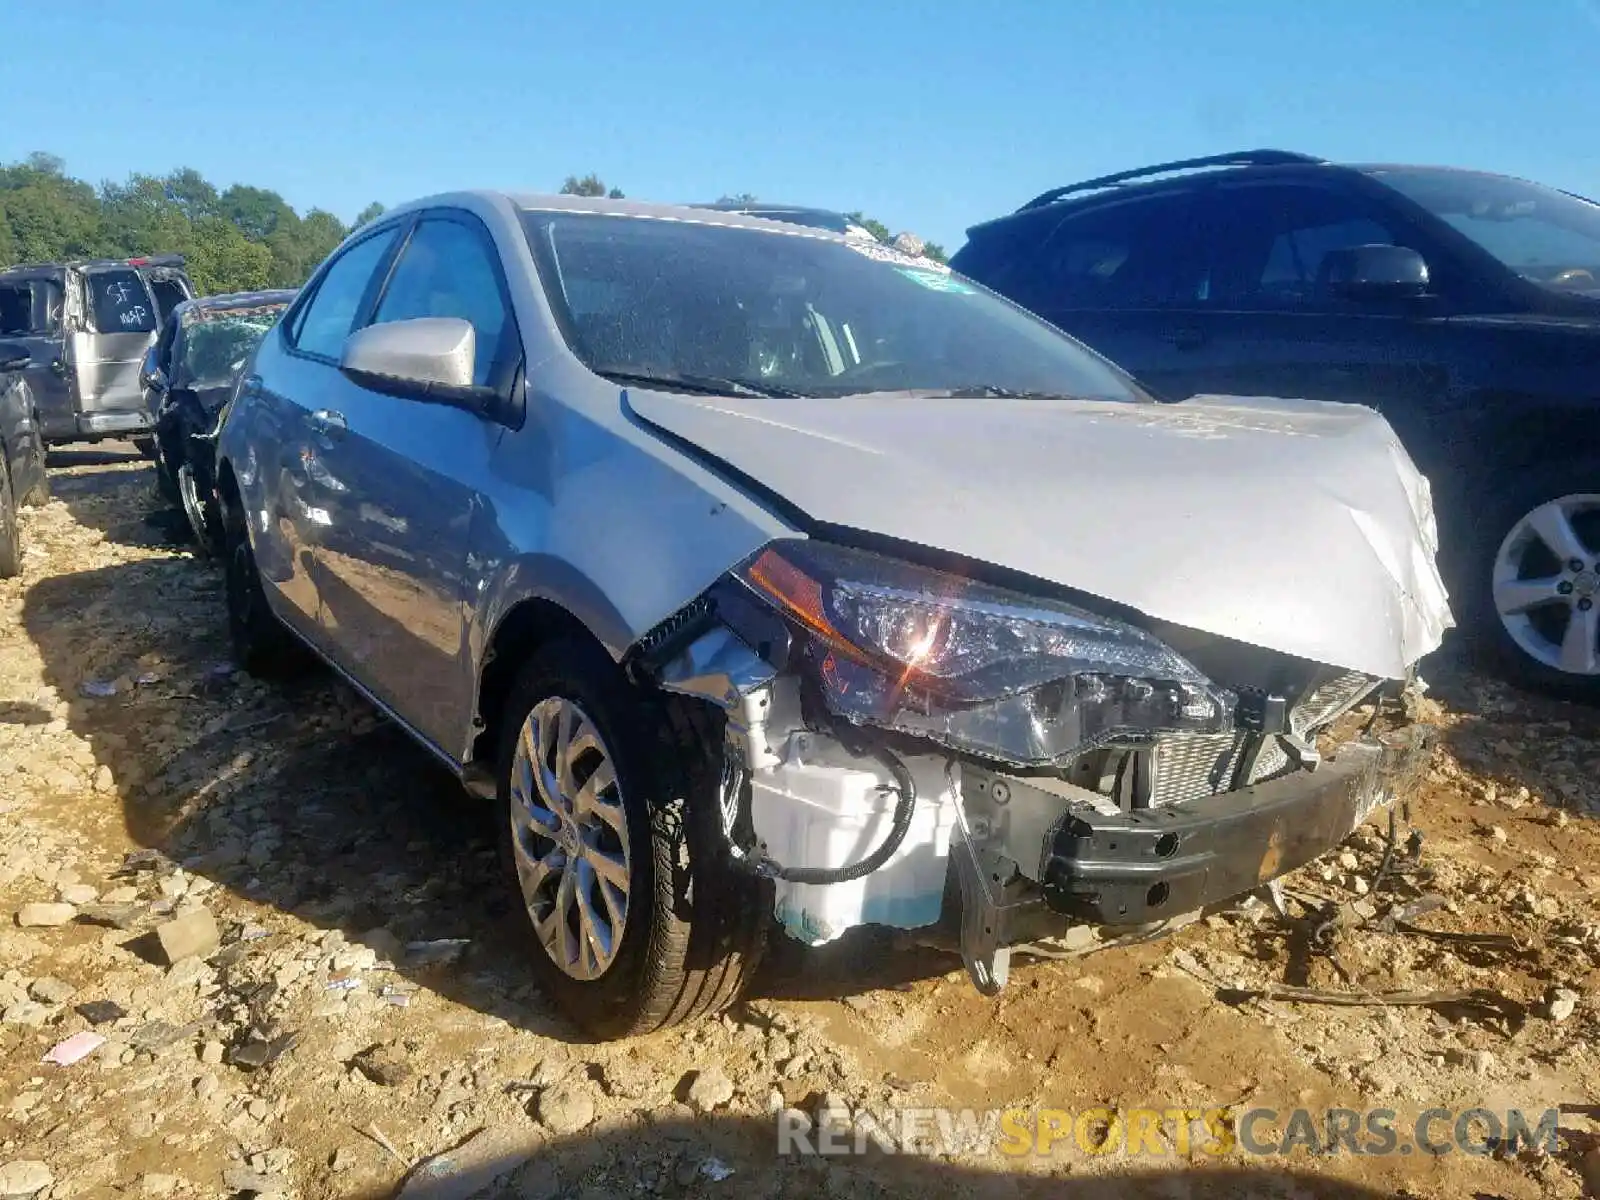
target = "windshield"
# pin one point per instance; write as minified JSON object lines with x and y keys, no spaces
{"x":1543,"y":235}
{"x":218,"y":341}
{"x":792,"y":314}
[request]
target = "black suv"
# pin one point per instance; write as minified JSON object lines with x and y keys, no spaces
{"x":1464,"y":306}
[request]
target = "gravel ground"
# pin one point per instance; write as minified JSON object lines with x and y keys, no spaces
{"x":282,"y":932}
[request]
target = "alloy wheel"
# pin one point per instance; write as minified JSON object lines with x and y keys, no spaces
{"x":1547,"y":584}
{"x":569,"y":837}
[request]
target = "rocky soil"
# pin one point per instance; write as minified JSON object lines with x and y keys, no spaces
{"x":254,"y":943}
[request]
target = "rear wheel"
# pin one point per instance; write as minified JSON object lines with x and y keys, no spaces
{"x":10,"y":529}
{"x":262,"y":644}
{"x":610,"y":833}
{"x":1537,"y":596}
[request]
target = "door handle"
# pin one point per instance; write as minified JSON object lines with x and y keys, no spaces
{"x":1186,"y":338}
{"x":328,"y":423}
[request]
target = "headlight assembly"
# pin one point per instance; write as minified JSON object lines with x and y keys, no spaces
{"x":974,"y":667}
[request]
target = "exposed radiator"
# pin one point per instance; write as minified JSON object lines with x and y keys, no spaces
{"x":1192,"y":767}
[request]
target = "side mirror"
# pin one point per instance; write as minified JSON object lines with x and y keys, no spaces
{"x":13,"y":356}
{"x":1375,"y":272}
{"x":425,"y":358}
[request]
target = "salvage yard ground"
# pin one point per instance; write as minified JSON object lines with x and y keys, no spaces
{"x":366,"y":1009}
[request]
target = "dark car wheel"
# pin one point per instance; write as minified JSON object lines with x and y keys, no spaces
{"x":1534,"y":603}
{"x":610,"y":834}
{"x":10,"y":530}
{"x":145,"y":446}
{"x":166,"y":477}
{"x":200,"y":507}
{"x":262,"y":645}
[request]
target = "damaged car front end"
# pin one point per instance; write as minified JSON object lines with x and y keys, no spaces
{"x":912,"y":748}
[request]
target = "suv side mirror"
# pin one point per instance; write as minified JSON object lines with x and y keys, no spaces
{"x":1375,"y":272}
{"x":424,"y":358}
{"x":14,"y":356}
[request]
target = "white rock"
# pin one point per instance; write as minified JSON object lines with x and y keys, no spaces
{"x":40,"y":915}
{"x":24,"y":1177}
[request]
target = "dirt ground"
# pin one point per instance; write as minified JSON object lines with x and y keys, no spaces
{"x":323,"y":1051}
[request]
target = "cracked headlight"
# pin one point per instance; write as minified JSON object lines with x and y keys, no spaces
{"x":978,"y":668}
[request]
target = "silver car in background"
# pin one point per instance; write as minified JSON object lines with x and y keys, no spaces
{"x":758,"y":573}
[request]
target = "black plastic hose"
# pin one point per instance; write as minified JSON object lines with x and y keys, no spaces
{"x":903,"y":811}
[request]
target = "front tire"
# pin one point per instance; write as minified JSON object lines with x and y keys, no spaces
{"x":610,"y":833}
{"x":1534,"y":598}
{"x":262,"y":644}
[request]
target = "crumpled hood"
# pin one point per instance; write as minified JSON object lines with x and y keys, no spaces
{"x":1299,"y":526}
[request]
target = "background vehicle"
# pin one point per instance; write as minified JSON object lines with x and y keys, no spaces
{"x":1462,"y":306}
{"x":720,"y":555}
{"x":188,"y":376}
{"x":22,"y":473}
{"x":87,"y":325}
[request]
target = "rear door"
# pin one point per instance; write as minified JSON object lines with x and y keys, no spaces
{"x":106,"y":353}
{"x":32,"y":305}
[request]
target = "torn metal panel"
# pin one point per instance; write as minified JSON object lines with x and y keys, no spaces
{"x":1297,"y":526}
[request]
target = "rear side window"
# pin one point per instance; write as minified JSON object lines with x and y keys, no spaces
{"x":119,"y":303}
{"x":169,"y":294}
{"x":1133,"y":254}
{"x":324,"y":323}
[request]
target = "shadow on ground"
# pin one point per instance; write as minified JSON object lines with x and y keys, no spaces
{"x":1519,"y":739}
{"x":690,"y":1158}
{"x":96,"y":493}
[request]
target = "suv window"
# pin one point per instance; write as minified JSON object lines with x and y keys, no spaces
{"x":1129,"y":254}
{"x":32,"y":306}
{"x":446,"y":270}
{"x":120,"y":303}
{"x":169,"y":294}
{"x":323,"y":324}
{"x":1269,"y":243}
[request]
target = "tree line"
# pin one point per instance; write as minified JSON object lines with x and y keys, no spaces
{"x":238,"y":238}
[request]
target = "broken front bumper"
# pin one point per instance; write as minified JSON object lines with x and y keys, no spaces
{"x":1151,"y":865}
{"x":1132,"y":868}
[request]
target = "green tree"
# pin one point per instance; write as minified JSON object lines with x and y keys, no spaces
{"x":739,"y":198}
{"x":257,"y":212}
{"x":224,"y":260}
{"x":872,"y":225}
{"x":370,"y":213}
{"x":935,"y":251}
{"x":589,"y":185}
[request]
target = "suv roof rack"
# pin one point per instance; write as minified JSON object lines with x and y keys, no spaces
{"x":1236,"y":158}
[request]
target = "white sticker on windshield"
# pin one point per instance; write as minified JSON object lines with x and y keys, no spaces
{"x":935,"y":280}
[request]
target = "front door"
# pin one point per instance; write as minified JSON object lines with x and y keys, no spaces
{"x":1272,"y":326}
{"x":289,"y":438}
{"x":32,"y":314}
{"x":391,"y":572}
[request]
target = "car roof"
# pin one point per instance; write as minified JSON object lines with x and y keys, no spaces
{"x":1174,"y":175}
{"x":603,"y":205}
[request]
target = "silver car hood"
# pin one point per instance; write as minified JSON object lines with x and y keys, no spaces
{"x":1299,"y":526}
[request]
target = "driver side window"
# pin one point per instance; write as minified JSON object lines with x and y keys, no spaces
{"x":446,"y":270}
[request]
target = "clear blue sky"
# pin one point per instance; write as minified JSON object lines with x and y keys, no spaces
{"x":929,"y":116}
